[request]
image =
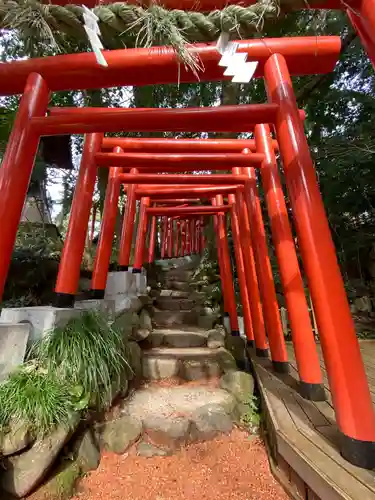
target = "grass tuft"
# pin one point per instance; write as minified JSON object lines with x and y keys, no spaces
{"x":33,"y":397}
{"x":86,"y":353}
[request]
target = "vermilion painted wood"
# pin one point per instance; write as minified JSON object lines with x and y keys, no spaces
{"x":141,"y":235}
{"x":128,"y":225}
{"x":240,"y":266}
{"x":166,"y":145}
{"x":16,"y":168}
{"x":159,"y":65}
{"x":188,"y":178}
{"x":264,"y":273}
{"x":159,"y":192}
{"x":363,"y":21}
{"x":346,"y":374}
{"x":151,"y":247}
{"x":180,"y":162}
{"x":202,"y":209}
{"x":251,"y":276}
{"x":107,"y":230}
{"x":302,"y":334}
{"x":227,"y":282}
{"x":239,"y":118}
{"x":71,"y":257}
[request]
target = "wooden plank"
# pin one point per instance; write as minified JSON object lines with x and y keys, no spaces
{"x":326,"y":409}
{"x":302,"y":458}
{"x":317,"y":418}
{"x":298,"y":485}
{"x":327,"y":477}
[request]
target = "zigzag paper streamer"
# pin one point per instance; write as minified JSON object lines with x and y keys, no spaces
{"x":235,"y":63}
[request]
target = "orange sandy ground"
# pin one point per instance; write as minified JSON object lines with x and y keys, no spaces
{"x":231,"y":467}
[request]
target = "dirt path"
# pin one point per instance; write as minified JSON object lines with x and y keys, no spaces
{"x":233,"y":467}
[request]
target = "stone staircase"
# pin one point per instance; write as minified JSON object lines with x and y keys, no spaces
{"x":177,"y":347}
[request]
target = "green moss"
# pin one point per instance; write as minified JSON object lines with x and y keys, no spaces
{"x":62,"y":485}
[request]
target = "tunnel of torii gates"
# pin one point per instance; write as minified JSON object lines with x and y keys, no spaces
{"x":185,"y":201}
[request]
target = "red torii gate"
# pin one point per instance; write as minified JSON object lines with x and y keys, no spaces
{"x":361,"y":13}
{"x":278,"y":59}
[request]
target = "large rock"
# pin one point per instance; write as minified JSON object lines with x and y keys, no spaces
{"x":363,"y":304}
{"x":210,"y":420}
{"x":18,"y":438}
{"x":199,"y":369}
{"x":237,"y":347}
{"x":61,"y":485}
{"x":124,"y":323}
{"x":145,"y":320}
{"x":226,"y":360}
{"x":149,"y":450}
{"x":215,"y":338}
{"x":171,"y":432}
{"x":135,"y":358}
{"x":146,"y":300}
{"x":240,"y":384}
{"x":176,"y":400}
{"x":118,"y":435}
{"x":26,"y":471}
{"x":208,"y":318}
{"x":87,"y":453}
{"x":155,"y":368}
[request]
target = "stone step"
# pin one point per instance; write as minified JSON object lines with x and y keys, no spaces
{"x":178,"y":275}
{"x":192,"y":363}
{"x":182,"y":286}
{"x":163,"y":318}
{"x":174,"y":304}
{"x":178,"y":337}
{"x":174,"y":293}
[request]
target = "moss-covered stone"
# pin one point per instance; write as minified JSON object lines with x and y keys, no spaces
{"x":61,"y":485}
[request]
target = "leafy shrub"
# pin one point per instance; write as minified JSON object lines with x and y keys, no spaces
{"x":86,"y":353}
{"x":34,"y":397}
{"x":251,"y":418}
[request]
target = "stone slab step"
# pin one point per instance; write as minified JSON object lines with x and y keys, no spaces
{"x":183,"y":286}
{"x":193,"y":363}
{"x":181,"y":353}
{"x":174,"y":293}
{"x":177,"y":338}
{"x":164,"y":318}
{"x":174,"y":304}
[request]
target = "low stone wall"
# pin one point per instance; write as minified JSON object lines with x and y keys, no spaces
{"x":27,"y":460}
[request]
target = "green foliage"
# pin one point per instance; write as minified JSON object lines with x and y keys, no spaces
{"x":251,"y":418}
{"x":86,"y":353}
{"x":70,"y":369}
{"x":35,"y":397}
{"x":34,"y":265}
{"x":63,"y":485}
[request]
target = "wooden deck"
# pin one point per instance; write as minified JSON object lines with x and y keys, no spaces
{"x":303,"y":436}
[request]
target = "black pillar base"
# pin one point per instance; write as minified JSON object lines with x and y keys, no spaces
{"x":261,"y":353}
{"x":313,"y":392}
{"x":96,"y":294}
{"x":63,"y":300}
{"x":226,"y":315}
{"x":281,"y":366}
{"x":359,"y":453}
{"x":250,"y":343}
{"x":136,"y":270}
{"x":122,"y":268}
{"x":235,"y":333}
